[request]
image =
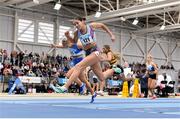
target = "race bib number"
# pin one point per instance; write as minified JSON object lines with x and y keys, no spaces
{"x":86,"y":39}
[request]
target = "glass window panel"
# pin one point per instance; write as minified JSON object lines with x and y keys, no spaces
{"x":45,"y":33}
{"x":25,"y":30}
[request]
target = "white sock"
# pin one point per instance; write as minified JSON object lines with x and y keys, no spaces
{"x":101,"y":91}
{"x":64,"y":88}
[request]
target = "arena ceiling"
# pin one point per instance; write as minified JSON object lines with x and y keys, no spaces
{"x":151,"y":15}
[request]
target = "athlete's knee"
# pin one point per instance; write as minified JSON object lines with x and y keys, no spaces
{"x":97,"y":53}
{"x":79,"y":67}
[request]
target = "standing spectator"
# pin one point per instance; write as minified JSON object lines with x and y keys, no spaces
{"x":14,"y":58}
{"x":20,"y":58}
{"x":43,"y":57}
{"x":59,"y":59}
{"x":5,"y":55}
{"x":143,"y":83}
{"x":1,"y":56}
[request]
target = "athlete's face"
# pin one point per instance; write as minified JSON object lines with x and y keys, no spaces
{"x":104,"y":50}
{"x":79,"y":24}
{"x":149,"y":58}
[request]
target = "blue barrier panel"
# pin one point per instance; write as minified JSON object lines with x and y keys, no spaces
{"x":112,"y":83}
{"x":62,"y":80}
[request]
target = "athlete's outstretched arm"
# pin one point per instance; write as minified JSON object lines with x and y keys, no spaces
{"x":103,"y":27}
{"x":57,"y":46}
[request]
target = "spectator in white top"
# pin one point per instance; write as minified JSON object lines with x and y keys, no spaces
{"x":1,"y":66}
{"x":163,"y":77}
{"x":163,"y":86}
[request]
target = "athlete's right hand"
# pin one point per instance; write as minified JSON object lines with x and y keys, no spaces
{"x":67,"y":34}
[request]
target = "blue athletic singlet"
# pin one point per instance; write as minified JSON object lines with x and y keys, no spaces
{"x":88,"y":38}
{"x":76,"y":53}
{"x":151,"y":68}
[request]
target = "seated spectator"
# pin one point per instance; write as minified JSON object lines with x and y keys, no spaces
{"x":7,"y":73}
{"x":30,"y":73}
{"x":163,"y":87}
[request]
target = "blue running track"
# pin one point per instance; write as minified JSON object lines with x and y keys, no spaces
{"x":81,"y":108}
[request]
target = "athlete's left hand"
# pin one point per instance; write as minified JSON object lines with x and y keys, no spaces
{"x":53,"y":46}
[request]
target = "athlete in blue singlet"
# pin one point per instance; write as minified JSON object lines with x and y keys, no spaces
{"x":152,"y":71}
{"x":77,"y":56}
